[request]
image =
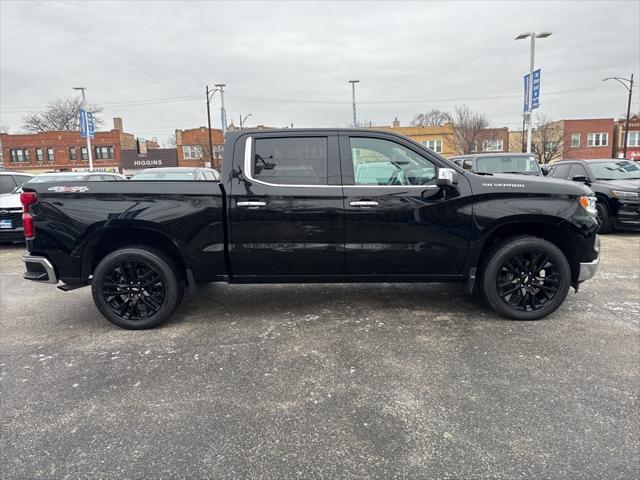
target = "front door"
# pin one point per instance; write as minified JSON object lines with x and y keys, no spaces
{"x":287,"y":208}
{"x":398,"y":222}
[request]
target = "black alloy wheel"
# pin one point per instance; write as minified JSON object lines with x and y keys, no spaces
{"x":525,"y":278}
{"x":137,"y":287}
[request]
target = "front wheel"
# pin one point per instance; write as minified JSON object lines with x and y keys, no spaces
{"x":136,"y":288}
{"x":526,"y":278}
{"x":604,"y":219}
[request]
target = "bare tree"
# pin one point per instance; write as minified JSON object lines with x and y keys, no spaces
{"x":60,"y":114}
{"x":4,"y":129}
{"x":433,"y":117}
{"x":547,"y":139}
{"x":467,"y":126}
{"x":171,"y":141}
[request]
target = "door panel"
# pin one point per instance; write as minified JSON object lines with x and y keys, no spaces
{"x":279,"y":225}
{"x":415,"y":229}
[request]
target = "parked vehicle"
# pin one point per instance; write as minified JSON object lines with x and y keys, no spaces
{"x":10,"y":180}
{"x":11,"y":218}
{"x":616,"y":184}
{"x":177,"y":173}
{"x":292,"y":206}
{"x":482,"y":163}
{"x":94,"y":176}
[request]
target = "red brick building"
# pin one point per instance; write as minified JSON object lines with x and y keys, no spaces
{"x":633,"y":142}
{"x":193,"y":147}
{"x":588,"y":138}
{"x":65,"y":150}
{"x":493,"y":140}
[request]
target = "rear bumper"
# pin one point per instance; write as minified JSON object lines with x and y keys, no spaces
{"x":39,"y":269}
{"x":589,"y":269}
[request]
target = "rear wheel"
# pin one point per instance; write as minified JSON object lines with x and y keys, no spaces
{"x":526,"y":278}
{"x":136,"y":288}
{"x":604,"y":218}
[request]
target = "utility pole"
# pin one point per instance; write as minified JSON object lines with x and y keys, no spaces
{"x":533,"y":36}
{"x":209,"y":123}
{"x":86,"y":126}
{"x":223,"y":113}
{"x":353,"y":100}
{"x":629,"y":87}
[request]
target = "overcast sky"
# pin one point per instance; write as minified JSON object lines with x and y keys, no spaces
{"x":289,"y":62}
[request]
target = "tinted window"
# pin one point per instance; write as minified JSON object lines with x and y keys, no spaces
{"x":383,"y":162}
{"x":561,"y":171}
{"x":6,"y":184}
{"x":508,"y":164}
{"x":578,"y":170}
{"x":20,"y":179}
{"x":291,"y":161}
{"x":164,"y":175}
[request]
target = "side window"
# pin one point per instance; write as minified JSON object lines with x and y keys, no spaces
{"x":578,"y":170}
{"x":20,"y":179}
{"x":561,"y":171}
{"x":383,"y":162}
{"x":94,"y":178}
{"x":291,"y":161}
{"x":6,"y":184}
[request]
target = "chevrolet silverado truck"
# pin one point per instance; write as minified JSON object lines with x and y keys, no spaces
{"x":340,"y":205}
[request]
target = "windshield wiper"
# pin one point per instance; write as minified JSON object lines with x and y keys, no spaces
{"x":484,"y":173}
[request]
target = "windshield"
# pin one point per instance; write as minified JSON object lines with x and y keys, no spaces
{"x":164,"y":176}
{"x":615,"y":170}
{"x":58,"y":178}
{"x":508,"y":164}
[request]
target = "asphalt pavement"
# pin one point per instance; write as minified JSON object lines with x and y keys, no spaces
{"x":323,"y":381}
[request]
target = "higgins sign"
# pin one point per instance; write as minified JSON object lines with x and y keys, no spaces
{"x":132,"y":161}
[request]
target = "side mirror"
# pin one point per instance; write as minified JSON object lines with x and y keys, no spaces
{"x":581,"y":179}
{"x":447,"y":177}
{"x":545,"y":170}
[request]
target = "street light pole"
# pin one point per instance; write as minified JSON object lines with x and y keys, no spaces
{"x":533,"y":36}
{"x":209,"y":123}
{"x":630,"y":89}
{"x":223,"y":113}
{"x":86,"y":126}
{"x":353,"y":100}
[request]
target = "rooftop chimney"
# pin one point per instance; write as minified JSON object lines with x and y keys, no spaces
{"x":117,"y":124}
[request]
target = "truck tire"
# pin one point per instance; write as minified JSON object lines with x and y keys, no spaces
{"x":525,"y":278}
{"x":136,"y":287}
{"x":604,"y":218}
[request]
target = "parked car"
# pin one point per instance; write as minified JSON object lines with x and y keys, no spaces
{"x":10,"y":180}
{"x":11,"y":218}
{"x":481,"y":163}
{"x":177,"y":173}
{"x":519,"y":241}
{"x":94,"y":176}
{"x":616,"y":184}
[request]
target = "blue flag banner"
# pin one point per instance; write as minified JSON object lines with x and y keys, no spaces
{"x":90,"y":127}
{"x":526,"y":94}
{"x":535,"y":95}
{"x":83,"y":123}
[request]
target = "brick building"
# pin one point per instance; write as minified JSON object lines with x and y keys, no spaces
{"x":438,"y":138}
{"x":633,"y":143}
{"x":132,"y":161}
{"x":493,"y":140}
{"x":588,"y":138}
{"x":193,"y":147}
{"x":65,"y":150}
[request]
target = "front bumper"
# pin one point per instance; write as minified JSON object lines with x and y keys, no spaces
{"x":15,"y":235}
{"x":627,"y":217}
{"x":589,"y":269}
{"x":39,"y":269}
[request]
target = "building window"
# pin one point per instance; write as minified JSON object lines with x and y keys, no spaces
{"x":435,"y":145}
{"x":104,"y":153}
{"x":598,"y":139}
{"x":84,"y":153}
{"x":51,"y":154}
{"x":19,"y":155}
{"x":73,"y":154}
{"x":492,"y":145}
{"x":633,"y":139}
{"x":192,"y":152}
{"x":39,"y":155}
{"x":575,"y":140}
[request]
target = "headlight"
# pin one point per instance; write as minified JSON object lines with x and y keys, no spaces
{"x":588,"y":203}
{"x":624,"y":194}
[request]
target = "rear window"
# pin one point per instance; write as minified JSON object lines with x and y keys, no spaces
{"x":58,"y":178}
{"x":164,"y":176}
{"x":291,"y":161}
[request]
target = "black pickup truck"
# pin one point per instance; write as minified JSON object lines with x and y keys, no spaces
{"x":314,"y":206}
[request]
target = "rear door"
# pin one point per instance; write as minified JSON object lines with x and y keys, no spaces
{"x":286,"y":207}
{"x":398,"y":221}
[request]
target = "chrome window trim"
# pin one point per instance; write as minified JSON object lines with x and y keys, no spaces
{"x":248,"y":173}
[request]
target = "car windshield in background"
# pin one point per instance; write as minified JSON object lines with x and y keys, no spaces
{"x":508,"y":164}
{"x":164,"y":176}
{"x":615,"y":170}
{"x":58,"y":178}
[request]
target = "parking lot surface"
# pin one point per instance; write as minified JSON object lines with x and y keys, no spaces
{"x":323,"y":381}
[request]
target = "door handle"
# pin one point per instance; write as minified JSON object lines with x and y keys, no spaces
{"x":251,"y":204}
{"x":364,"y":203}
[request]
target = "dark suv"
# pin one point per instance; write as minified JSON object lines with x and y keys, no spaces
{"x":616,"y":184}
{"x":490,"y":163}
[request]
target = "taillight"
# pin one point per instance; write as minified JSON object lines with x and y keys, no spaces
{"x":27,"y":199}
